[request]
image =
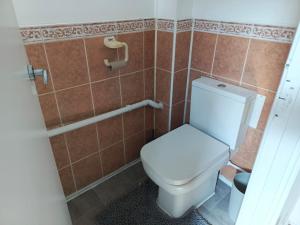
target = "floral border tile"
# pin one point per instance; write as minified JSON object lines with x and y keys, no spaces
{"x":165,"y":25}
{"x":285,"y":34}
{"x":95,"y":29}
{"x":149,"y":24}
{"x":130,"y":26}
{"x":184,"y":25}
{"x":265,"y":32}
{"x":206,"y":25}
{"x":51,"y":33}
{"x":31,"y":35}
{"x":239,"y":29}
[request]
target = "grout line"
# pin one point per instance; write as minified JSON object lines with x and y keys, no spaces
{"x":144,"y":81}
{"x":93,"y":105}
{"x":122,"y":117}
{"x":97,"y":81}
{"x":177,"y":71}
{"x":172,"y":74}
{"x":154,"y":71}
{"x":245,"y":62}
{"x":71,"y":165}
{"x":60,"y":118}
{"x":225,"y":78}
{"x":199,"y":71}
{"x":214,"y":55}
{"x":163,"y":70}
{"x":83,"y":158}
{"x":189,"y":72}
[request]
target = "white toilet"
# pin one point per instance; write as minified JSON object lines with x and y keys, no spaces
{"x":185,"y":162}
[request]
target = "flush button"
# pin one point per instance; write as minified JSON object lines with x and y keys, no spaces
{"x":221,"y":85}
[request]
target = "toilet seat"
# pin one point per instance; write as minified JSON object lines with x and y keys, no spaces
{"x":182,"y":155}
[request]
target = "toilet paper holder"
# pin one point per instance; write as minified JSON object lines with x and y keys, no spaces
{"x":112,"y":43}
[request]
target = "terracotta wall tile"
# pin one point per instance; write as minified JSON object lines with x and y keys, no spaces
{"x":87,"y":171}
{"x":203,"y":51}
{"x":183,"y":40}
{"x":113,"y":158}
{"x":149,"y":118}
{"x":149,"y":41}
{"x":135,"y":51}
{"x":149,"y":135}
{"x":230,"y":57}
{"x":133,"y":146}
{"x":67,"y":63}
{"x":49,"y":109}
{"x":37,"y":58}
{"x":158,"y":133}
{"x":162,"y":119}
{"x":106,"y":95}
{"x":149,"y":83}
{"x":110,"y":131}
{"x":75,"y":104}
{"x":67,"y":181}
{"x":60,"y":151}
{"x":179,"y":86}
{"x":163,"y":83}
{"x":177,"y":115}
{"x":133,"y":88}
{"x":164,"y":50}
{"x":134,"y":122}
{"x":82,"y":142}
{"x":96,"y":53}
{"x":265,"y":63}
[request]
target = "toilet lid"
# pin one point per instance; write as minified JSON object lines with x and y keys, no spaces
{"x":182,"y":154}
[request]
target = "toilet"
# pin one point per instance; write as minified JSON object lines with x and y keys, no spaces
{"x":185,"y":162}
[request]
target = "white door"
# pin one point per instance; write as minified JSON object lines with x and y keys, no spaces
{"x":30,"y":190}
{"x":278,"y":162}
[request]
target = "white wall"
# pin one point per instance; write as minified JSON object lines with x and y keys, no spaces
{"x":270,"y":12}
{"x":49,"y":12}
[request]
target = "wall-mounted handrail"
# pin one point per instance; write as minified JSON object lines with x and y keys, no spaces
{"x":95,"y":119}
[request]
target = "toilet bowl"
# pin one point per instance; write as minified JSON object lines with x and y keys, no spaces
{"x":184,"y":164}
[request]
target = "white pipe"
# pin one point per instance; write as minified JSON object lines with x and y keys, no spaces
{"x":95,"y":119}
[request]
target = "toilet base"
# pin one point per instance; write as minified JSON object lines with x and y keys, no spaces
{"x":176,"y":203}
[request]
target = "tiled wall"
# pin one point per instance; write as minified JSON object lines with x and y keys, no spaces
{"x":173,"y":46}
{"x":80,"y":86}
{"x":247,"y":55}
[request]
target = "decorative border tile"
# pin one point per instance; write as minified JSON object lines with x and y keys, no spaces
{"x":59,"y":32}
{"x":31,"y":35}
{"x":270,"y":33}
{"x":130,"y":26}
{"x":284,"y":34}
{"x":149,"y":24}
{"x":206,"y":25}
{"x":239,"y":29}
{"x":184,"y":25}
{"x":96,"y":29}
{"x":53,"y":33}
{"x":165,"y":25}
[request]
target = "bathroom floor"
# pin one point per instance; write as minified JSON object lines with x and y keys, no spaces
{"x":131,"y":194}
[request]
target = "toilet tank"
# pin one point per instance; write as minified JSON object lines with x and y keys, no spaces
{"x":221,"y":110}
